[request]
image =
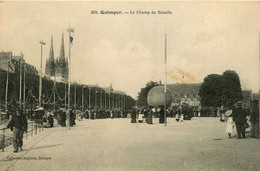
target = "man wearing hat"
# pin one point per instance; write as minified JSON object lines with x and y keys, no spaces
{"x":18,"y":124}
{"x":240,"y":119}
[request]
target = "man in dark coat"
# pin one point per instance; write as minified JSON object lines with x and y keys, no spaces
{"x":239,"y":119}
{"x":18,"y":124}
{"x":133,"y":116}
{"x":161,"y":119}
{"x":72,"y":118}
{"x":51,"y":120}
{"x":254,"y":118}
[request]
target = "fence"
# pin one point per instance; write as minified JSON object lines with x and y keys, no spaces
{"x":34,"y":127}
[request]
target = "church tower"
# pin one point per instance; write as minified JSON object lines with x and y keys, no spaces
{"x":61,"y":64}
{"x":50,"y":64}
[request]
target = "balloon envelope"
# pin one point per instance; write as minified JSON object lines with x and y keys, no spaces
{"x":155,"y":97}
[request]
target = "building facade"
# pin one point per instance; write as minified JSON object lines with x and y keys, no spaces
{"x":185,"y":93}
{"x":14,"y":65}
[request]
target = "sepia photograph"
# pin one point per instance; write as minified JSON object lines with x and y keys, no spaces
{"x":129,"y":86}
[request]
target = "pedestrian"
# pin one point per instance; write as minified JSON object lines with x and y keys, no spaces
{"x":182,"y":118}
{"x":230,"y":123}
{"x":50,"y":119}
{"x":18,"y":124}
{"x":178,"y":113}
{"x":239,"y":118}
{"x":161,"y":117}
{"x":111,"y":114}
{"x":63,"y":118}
{"x":150,"y":117}
{"x":72,"y":117}
{"x":254,"y":119}
{"x":133,"y":116}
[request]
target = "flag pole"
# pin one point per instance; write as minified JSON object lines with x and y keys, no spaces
{"x":69,"y":81}
{"x":24,"y":102}
{"x":7,"y":79}
{"x":69,"y":73}
{"x":40,"y":86}
{"x":165,"y":121}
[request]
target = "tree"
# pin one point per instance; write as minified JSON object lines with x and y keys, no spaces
{"x":232,"y":89}
{"x":142,"y":95}
{"x":211,"y":90}
{"x":217,"y":90}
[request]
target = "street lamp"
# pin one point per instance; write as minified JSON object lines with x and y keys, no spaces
{"x":40,"y":87}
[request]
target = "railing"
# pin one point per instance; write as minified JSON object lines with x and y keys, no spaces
{"x":34,"y":127}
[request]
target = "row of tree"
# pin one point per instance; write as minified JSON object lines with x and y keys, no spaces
{"x":216,"y":90}
{"x":97,"y":96}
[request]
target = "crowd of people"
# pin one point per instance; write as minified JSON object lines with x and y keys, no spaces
{"x":180,"y":112}
{"x":235,"y":116}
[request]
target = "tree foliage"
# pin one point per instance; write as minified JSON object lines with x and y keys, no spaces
{"x":217,"y":90}
{"x":142,"y":95}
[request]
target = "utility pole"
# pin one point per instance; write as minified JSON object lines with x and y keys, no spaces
{"x":124,"y":102}
{"x":165,"y":84}
{"x":82,"y":100}
{"x":7,"y":79}
{"x":69,"y":73}
{"x":105,"y":100}
{"x":109,"y":100}
{"x":75,"y":96}
{"x":20,"y":85}
{"x":100,"y":99}
{"x":89,"y":98}
{"x":96,"y":99}
{"x":24,"y":94}
{"x":40,"y":86}
{"x":54,"y":91}
{"x":65,"y":96}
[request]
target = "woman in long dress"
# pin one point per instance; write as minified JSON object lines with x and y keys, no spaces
{"x":230,"y":123}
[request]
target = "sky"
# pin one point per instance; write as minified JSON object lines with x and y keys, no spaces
{"x":128,"y":50}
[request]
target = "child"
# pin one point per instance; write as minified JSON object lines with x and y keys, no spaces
{"x":230,"y":123}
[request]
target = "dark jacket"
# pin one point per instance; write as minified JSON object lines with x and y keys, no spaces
{"x":19,"y":122}
{"x":239,"y":115}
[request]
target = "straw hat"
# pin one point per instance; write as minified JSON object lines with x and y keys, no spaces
{"x":228,"y":113}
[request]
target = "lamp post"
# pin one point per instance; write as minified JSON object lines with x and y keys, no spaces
{"x":113,"y":101}
{"x":69,"y":73}
{"x":82,"y":100}
{"x":21,"y":63}
{"x":109,"y":100}
{"x":40,"y":86}
{"x":100,"y":99}
{"x":105,"y":100}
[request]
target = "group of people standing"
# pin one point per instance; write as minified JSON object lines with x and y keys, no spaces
{"x":61,"y":116}
{"x":237,"y":118}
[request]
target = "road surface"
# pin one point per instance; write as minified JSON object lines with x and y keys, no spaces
{"x":116,"y":144}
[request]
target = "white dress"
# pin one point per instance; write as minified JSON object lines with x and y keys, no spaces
{"x":230,"y":125}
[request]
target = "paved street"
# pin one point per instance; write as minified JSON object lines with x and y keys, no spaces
{"x":116,"y":144}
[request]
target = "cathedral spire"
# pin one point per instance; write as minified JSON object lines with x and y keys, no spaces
{"x":62,"y":51}
{"x":51,"y":59}
{"x":50,"y":65}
